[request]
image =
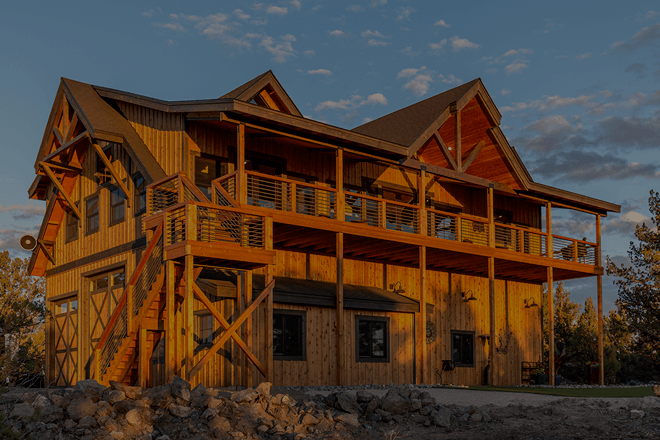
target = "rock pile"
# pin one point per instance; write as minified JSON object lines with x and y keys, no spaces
{"x":168,"y":412}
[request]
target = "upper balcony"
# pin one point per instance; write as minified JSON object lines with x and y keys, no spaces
{"x":306,"y":217}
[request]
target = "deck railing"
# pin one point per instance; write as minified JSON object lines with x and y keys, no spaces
{"x":519,"y":239}
{"x":172,"y":190}
{"x":570,"y":249}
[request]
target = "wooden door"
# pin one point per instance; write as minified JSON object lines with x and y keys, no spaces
{"x":66,"y":341}
{"x":106,"y":290}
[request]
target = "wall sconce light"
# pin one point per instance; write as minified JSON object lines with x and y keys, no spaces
{"x":529,"y":303}
{"x":398,"y":289}
{"x":468,"y":296}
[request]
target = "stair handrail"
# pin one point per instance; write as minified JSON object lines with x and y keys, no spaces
{"x":179,"y":183}
{"x":123,"y":302}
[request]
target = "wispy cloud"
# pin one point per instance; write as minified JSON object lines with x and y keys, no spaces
{"x":458,"y":43}
{"x":319,"y":72}
{"x":171,"y":26}
{"x":23,"y":212}
{"x":375,"y":3}
{"x":374,"y":38}
{"x":584,"y":56}
{"x":353,"y":102}
{"x":355,"y":8}
{"x":438,"y":46}
{"x":241,"y":15}
{"x":441,"y":23}
{"x":450,"y":79}
{"x":404,"y":13}
{"x":516,"y":67}
{"x":337,"y":33}
{"x":420,"y":79}
{"x":505,"y":92}
{"x":281,"y":48}
{"x":277,"y":10}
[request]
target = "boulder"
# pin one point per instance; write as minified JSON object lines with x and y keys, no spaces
{"x":132,"y":393}
{"x":90,"y":388}
{"x":112,"y":396}
{"x":386,"y":416}
{"x":219,"y":423}
{"x":80,"y":407}
{"x":159,"y":396}
{"x":309,"y":420}
{"x":40,"y":402}
{"x":180,"y":410}
{"x":87,"y":422}
{"x":364,"y":396}
{"x":124,"y":406}
{"x":136,"y":417}
{"x":349,"y":419}
{"x":264,"y":388}
{"x":395,"y":403}
{"x":51,"y":413}
{"x":372,"y":405}
{"x":247,"y":395}
{"x":198,"y":391}
{"x":347,"y":403}
{"x":180,"y":388}
{"x":21,"y":411}
{"x":656,"y":390}
{"x":441,"y":417}
{"x":636,"y":414}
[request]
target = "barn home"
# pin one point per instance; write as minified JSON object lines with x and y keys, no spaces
{"x":232,"y":240}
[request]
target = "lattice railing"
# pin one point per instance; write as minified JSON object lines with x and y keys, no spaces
{"x":122,"y":323}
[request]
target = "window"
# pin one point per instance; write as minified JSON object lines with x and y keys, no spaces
{"x":373,"y":339}
{"x":462,"y":348}
{"x":92,"y":214}
{"x":72,"y":224}
{"x":140,"y":194}
{"x":103,"y":175}
{"x":289,"y":335}
{"x":117,"y":205}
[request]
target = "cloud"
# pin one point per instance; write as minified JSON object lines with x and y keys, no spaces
{"x":630,"y":131}
{"x":419,"y":85}
{"x":578,"y":224}
{"x":376,"y":34}
{"x":513,"y":52}
{"x":411,"y":71}
{"x":295,"y":4}
{"x":355,"y":8}
{"x":516,"y":67}
{"x":281,"y":50}
{"x":151,"y":12}
{"x":309,"y":53}
{"x":408,"y":50}
{"x":352,"y":103}
{"x":586,"y":166}
{"x":319,"y":72}
{"x":505,"y":92}
{"x":451,"y":79}
{"x":624,"y":224}
{"x":241,"y":15}
{"x":438,"y":46}
{"x":441,"y":23}
{"x":171,"y":26}
{"x":337,"y":33}
{"x":375,"y":3}
{"x":584,"y":56}
{"x":10,"y":239}
{"x":404,"y":13}
{"x":458,"y":43}
{"x":23,"y":212}
{"x":277,"y":10}
{"x":638,"y":69}
{"x":647,"y":37}
{"x":373,"y":42}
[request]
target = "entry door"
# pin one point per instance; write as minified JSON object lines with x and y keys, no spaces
{"x":66,"y":341}
{"x":106,"y":290}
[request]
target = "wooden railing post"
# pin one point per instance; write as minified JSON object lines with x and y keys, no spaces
{"x":191,"y":222}
{"x":294,"y":197}
{"x":240,"y":158}
{"x":548,"y":229}
{"x":599,"y":287}
{"x":575,"y":251}
{"x":421,"y":191}
{"x":491,"y":219}
{"x":382,"y":214}
{"x":339,"y":179}
{"x":268,"y":233}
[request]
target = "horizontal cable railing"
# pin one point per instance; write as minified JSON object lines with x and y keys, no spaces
{"x":228,"y":183}
{"x":474,"y":231}
{"x":442,"y":225}
{"x":174,"y":189}
{"x":401,"y":217}
{"x":578,"y":251}
{"x":519,"y":239}
{"x":363,"y":209}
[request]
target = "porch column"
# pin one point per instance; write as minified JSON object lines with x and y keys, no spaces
{"x":491,"y":219}
{"x":421,"y":194}
{"x":551,"y":297}
{"x":170,"y":335}
{"x":421,"y":322}
{"x":491,"y":299}
{"x":599,"y":281}
{"x":339,"y":317}
{"x":339,"y":179}
{"x":247,"y":326}
{"x":241,"y":177}
{"x":188,"y":318}
{"x":269,"y":327}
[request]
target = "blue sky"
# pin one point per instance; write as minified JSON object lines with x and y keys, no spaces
{"x":578,"y":83}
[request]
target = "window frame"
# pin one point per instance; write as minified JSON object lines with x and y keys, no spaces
{"x":367,"y":318}
{"x":137,"y":196}
{"x":70,"y":215}
{"x":111,"y":190}
{"x":102,"y":175}
{"x":474,"y":348}
{"x":302,"y":315}
{"x":89,"y":231}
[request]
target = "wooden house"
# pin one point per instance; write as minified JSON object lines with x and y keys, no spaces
{"x":232,"y":240}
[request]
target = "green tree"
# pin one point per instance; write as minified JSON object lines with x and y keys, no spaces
{"x":639,"y":285}
{"x":22,"y":317}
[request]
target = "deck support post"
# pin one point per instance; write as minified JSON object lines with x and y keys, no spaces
{"x":241,"y":186}
{"x":599,"y":281}
{"x":339,"y":170}
{"x":421,"y":194}
{"x":491,"y":302}
{"x":269,"y":327}
{"x":143,"y":362}
{"x":491,"y":217}
{"x":339,"y":318}
{"x":171,"y":337}
{"x":421,"y":322}
{"x":188,"y":317}
{"x":551,"y":296}
{"x":457,"y":142}
{"x":247,"y":326}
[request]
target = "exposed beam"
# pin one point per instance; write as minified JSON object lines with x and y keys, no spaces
{"x":67,"y":145}
{"x":114,"y":173}
{"x":72,"y":127}
{"x":58,"y":135}
{"x":445,"y":151}
{"x":65,"y":167}
{"x":457,"y":141}
{"x":473,"y":154}
{"x":46,"y":251}
{"x":60,"y":188}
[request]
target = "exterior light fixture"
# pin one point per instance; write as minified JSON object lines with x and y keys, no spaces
{"x":468,"y":296}
{"x":398,"y":289}
{"x":529,"y":303}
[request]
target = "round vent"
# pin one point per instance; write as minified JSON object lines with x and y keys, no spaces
{"x":28,"y":242}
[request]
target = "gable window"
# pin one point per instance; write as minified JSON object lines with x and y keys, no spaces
{"x":117,"y":205}
{"x":92,"y":214}
{"x":289,"y":335}
{"x":140,"y":194}
{"x":103,"y":174}
{"x":72,"y":224}
{"x":462,"y":348}
{"x":373,"y":339}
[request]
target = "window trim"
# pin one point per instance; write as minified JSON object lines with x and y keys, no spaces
{"x":70,"y":215}
{"x":474,"y":348}
{"x":98,"y":205}
{"x":303,"y":315}
{"x":386,"y":320}
{"x":112,"y":188}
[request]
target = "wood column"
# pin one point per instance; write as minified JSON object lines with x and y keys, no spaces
{"x":491,"y":302}
{"x":457,"y":142}
{"x":551,"y":297}
{"x":421,"y":193}
{"x":339,"y":317}
{"x":421,"y":329}
{"x":269,"y":327}
{"x":241,"y":177}
{"x":599,"y":283}
{"x":491,"y":218}
{"x":144,"y":358}
{"x":188,"y":317}
{"x":339,"y":178}
{"x":170,"y":334}
{"x":247,"y":327}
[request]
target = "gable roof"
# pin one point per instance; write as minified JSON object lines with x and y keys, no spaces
{"x":252,"y":88}
{"x":404,"y":126}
